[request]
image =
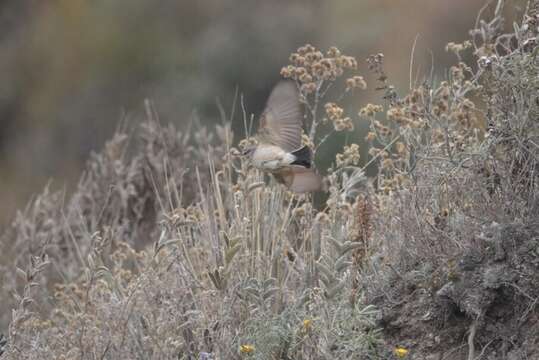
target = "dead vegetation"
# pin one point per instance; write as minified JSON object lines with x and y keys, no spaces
{"x":171,"y":247}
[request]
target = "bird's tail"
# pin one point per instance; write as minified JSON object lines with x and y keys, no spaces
{"x":303,"y":157}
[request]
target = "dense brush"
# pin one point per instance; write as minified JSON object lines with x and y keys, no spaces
{"x":173,"y":247}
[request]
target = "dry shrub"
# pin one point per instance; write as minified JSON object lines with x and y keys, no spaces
{"x":434,"y":256}
{"x":457,"y":211}
{"x":116,"y":196}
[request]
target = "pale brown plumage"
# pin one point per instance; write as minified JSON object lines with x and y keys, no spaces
{"x":298,"y":178}
{"x":279,"y":141}
{"x":281,"y":121}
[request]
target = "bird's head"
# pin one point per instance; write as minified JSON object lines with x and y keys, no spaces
{"x":249,"y":150}
{"x":248,"y":146}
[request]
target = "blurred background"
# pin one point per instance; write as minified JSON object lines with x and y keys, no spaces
{"x":71,"y":69}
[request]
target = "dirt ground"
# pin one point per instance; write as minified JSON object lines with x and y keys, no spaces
{"x":484,"y":307}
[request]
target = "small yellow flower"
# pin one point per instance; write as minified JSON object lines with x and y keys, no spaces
{"x":247,"y":349}
{"x":401,"y":352}
{"x":307,"y":323}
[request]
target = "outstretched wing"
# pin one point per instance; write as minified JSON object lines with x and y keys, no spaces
{"x":299,"y":179}
{"x":281,"y":121}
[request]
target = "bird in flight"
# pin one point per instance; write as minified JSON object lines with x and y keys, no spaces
{"x":279,"y":150}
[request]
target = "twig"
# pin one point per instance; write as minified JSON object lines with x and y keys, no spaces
{"x":314,"y":109}
{"x":379,"y":154}
{"x":412,"y":59}
{"x":483,"y":350}
{"x":323,"y":140}
{"x":471,"y":336}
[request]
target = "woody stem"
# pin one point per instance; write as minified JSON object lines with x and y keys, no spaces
{"x":314,"y":108}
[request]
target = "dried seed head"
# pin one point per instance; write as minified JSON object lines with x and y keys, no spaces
{"x":370,"y":110}
{"x":356,"y":82}
{"x":371,"y":136}
{"x":308,"y":88}
{"x":333,"y":52}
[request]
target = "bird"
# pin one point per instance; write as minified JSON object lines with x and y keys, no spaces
{"x":279,"y":149}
